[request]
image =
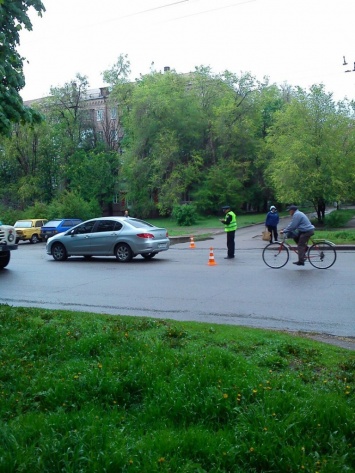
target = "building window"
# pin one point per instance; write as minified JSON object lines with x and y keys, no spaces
{"x":100,"y":135}
{"x":113,"y":113}
{"x":99,"y":115}
{"x":114,"y":135}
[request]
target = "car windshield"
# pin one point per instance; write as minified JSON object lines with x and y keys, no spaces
{"x":23,"y":224}
{"x":52,"y":223}
{"x":135,"y":222}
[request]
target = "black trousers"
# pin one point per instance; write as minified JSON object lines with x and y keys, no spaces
{"x":273,"y":232}
{"x":231,"y":243}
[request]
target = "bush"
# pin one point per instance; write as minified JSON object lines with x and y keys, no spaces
{"x":338,"y":218}
{"x":72,"y":205}
{"x":9,"y":216}
{"x":185,"y":215}
{"x":38,"y":210}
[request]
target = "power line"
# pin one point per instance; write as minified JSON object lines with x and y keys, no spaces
{"x":172,"y":4}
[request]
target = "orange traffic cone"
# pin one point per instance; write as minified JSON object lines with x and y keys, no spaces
{"x":211,"y":261}
{"x":192,"y":243}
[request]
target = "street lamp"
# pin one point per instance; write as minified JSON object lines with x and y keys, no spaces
{"x":345,"y":64}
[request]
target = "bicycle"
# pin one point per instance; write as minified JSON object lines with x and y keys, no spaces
{"x":321,"y":254}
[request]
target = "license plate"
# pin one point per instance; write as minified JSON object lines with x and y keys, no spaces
{"x":162,"y":245}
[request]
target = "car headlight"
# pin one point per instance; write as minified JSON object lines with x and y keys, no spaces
{"x":11,"y":237}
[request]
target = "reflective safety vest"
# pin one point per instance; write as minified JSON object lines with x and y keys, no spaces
{"x":232,"y":226}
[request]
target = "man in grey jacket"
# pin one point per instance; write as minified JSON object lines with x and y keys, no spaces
{"x":301,"y":230}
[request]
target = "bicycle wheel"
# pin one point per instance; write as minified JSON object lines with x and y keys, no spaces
{"x":275,"y":255}
{"x":322,"y":255}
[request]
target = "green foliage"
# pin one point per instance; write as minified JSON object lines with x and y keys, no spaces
{"x":119,"y":72}
{"x":202,"y":138}
{"x":338,"y":218}
{"x":72,"y":205}
{"x":220,"y":185}
{"x":100,"y":393}
{"x":38,"y":210}
{"x":313,"y":152}
{"x":93,"y":174}
{"x":8,"y":216}
{"x":13,"y":17}
{"x":185,"y":215}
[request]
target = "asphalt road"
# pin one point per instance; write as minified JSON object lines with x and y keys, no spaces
{"x":180,"y":284}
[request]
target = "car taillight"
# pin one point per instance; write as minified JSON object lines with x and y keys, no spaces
{"x":145,"y":235}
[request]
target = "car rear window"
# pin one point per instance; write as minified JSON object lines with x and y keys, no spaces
{"x":52,"y":223}
{"x":23,"y":224}
{"x":135,"y":222}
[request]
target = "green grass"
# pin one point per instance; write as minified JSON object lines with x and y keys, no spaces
{"x":340,"y":237}
{"x":83,"y":392}
{"x":209,"y":224}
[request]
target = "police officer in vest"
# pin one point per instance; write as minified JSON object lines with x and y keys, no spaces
{"x":230,"y":225}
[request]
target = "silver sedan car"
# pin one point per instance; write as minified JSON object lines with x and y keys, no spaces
{"x":122,"y":237}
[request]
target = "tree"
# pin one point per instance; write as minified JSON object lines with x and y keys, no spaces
{"x":313,"y":150}
{"x":163,"y":129}
{"x":13,"y":17}
{"x":119,"y":99}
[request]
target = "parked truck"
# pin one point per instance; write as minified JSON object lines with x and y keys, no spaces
{"x":7,"y":244}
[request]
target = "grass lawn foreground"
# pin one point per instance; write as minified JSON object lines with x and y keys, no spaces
{"x":82,"y":392}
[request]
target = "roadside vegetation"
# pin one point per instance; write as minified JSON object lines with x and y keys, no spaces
{"x":167,"y":139}
{"x":82,"y":392}
{"x":334,"y":227}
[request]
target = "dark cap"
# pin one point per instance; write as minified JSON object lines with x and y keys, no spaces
{"x":292,"y":207}
{"x":225,"y":207}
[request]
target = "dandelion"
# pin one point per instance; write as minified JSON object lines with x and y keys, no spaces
{"x":161,"y":460}
{"x":251,"y":449}
{"x":225,"y":396}
{"x":99,"y":365}
{"x":255,"y":391}
{"x":265,"y":429}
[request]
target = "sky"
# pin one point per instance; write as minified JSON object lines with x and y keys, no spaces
{"x":298,"y":42}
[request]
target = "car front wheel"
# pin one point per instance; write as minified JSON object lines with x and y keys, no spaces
{"x":123,"y":253}
{"x":59,"y":252}
{"x":4,"y":259}
{"x":34,"y":238}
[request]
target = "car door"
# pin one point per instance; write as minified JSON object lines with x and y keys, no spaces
{"x":78,"y":241}
{"x":104,"y":237}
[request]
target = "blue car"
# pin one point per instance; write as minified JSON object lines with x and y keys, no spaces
{"x":58,"y":225}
